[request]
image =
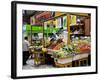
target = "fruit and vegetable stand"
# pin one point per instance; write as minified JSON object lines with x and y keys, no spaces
{"x":79,"y":50}
{"x":64,"y":55}
{"x":62,"y":48}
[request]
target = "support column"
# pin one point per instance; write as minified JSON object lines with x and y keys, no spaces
{"x":68,"y":27}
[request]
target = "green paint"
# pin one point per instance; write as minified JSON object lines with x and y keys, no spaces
{"x":38,"y":29}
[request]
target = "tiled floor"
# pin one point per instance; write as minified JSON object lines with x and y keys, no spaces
{"x":30,"y":65}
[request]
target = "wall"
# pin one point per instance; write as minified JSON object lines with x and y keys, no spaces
{"x":5,"y":40}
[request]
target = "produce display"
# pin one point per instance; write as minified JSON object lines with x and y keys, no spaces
{"x":81,"y":45}
{"x":63,"y":52}
{"x":78,"y":45}
{"x":55,"y":44}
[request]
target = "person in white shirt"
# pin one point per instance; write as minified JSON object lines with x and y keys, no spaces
{"x":26,"y":54}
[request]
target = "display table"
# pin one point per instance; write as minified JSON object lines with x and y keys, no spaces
{"x":68,"y":61}
{"x":77,"y":59}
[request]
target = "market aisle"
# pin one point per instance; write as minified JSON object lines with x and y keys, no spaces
{"x":30,"y":65}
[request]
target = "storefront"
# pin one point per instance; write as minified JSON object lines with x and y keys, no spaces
{"x":59,"y":39}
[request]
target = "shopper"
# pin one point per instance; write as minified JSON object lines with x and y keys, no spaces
{"x":26,"y":54}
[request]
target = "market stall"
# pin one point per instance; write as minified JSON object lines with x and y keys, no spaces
{"x":60,"y":39}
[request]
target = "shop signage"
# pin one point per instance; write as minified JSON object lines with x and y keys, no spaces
{"x":43,"y":16}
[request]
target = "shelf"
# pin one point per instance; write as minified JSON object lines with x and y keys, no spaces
{"x":77,"y":34}
{"x":76,"y":24}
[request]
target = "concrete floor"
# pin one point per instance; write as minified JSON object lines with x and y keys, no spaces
{"x":30,"y":65}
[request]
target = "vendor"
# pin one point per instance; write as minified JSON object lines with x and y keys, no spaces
{"x":26,"y":54}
